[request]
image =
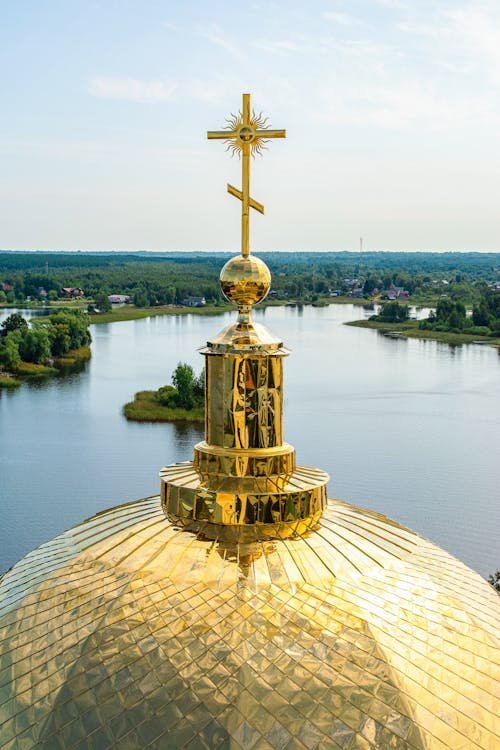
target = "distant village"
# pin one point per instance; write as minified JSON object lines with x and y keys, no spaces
{"x":103,"y":282}
{"x":75,"y":292}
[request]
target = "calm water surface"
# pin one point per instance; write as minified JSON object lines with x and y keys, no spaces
{"x":407,"y":428}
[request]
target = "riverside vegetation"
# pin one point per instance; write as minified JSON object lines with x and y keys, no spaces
{"x":449,"y":322}
{"x":181,"y":401}
{"x":48,"y":346}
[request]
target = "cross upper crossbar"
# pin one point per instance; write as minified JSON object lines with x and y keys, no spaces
{"x":246,"y":133}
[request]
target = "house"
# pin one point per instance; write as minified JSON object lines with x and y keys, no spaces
{"x":71,"y":291}
{"x":357,"y":293}
{"x":42,"y":292}
{"x":119,"y":299}
{"x":6,"y":287}
{"x":396,"y":293}
{"x":194,"y":301}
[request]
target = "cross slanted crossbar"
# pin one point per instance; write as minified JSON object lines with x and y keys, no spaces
{"x":245,"y":134}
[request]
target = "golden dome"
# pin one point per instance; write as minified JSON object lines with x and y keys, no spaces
{"x":128,"y":632}
{"x":245,"y":280}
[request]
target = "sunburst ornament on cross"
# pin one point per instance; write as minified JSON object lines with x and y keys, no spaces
{"x":246,"y":135}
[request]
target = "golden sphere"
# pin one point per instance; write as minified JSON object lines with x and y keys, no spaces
{"x":245,"y":281}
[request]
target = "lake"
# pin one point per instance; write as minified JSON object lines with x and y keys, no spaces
{"x":408,"y":428}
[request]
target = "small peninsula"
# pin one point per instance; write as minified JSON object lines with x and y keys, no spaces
{"x":449,"y":323}
{"x":49,"y":345}
{"x":183,"y":401}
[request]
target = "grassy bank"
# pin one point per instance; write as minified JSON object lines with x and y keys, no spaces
{"x":31,"y":371}
{"x":410,"y":330}
{"x":73,"y":357}
{"x":145,"y":408}
{"x":9,"y":381}
{"x":129,"y":312}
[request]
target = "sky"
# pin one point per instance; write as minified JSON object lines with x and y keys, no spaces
{"x":392,"y":112}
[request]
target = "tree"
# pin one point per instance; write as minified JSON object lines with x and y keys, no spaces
{"x":184,"y":381}
{"x":369,"y":286}
{"x":167,"y":396}
{"x":77,"y":327}
{"x":393,"y":312}
{"x":35,"y":345}
{"x":14,"y":322}
{"x":59,"y":339}
{"x":141,"y":298}
{"x":102,"y":302}
{"x":494,"y":580}
{"x":9,"y":350}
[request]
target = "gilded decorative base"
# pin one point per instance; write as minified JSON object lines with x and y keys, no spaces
{"x":243,"y":507}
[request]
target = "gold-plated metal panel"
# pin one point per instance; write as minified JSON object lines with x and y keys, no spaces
{"x":245,"y":336}
{"x":188,"y":497}
{"x":212,"y":460}
{"x":128,"y":632}
{"x":244,"y":402}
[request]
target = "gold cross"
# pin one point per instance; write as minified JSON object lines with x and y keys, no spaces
{"x":246,"y":133}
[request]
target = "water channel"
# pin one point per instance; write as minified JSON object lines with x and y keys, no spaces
{"x":408,"y":428}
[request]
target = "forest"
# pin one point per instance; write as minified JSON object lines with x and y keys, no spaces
{"x":153,"y":279}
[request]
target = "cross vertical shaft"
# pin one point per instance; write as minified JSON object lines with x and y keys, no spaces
{"x":245,"y":183}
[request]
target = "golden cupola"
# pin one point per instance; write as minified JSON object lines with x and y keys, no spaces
{"x":240,"y":609}
{"x":243,"y":483}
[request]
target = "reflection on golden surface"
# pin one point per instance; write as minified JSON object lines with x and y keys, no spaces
{"x":126,"y":632}
{"x":245,"y":280}
{"x":244,"y":401}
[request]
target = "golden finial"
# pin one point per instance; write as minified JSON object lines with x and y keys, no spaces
{"x":246,"y":135}
{"x":244,"y":280}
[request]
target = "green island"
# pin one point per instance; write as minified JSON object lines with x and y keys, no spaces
{"x":448,"y":323}
{"x":51,"y":345}
{"x":183,"y":401}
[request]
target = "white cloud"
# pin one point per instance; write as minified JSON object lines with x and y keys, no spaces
{"x":286,"y":46}
{"x":478,"y":31}
{"x":131,"y":89}
{"x":213,"y":89}
{"x":217,"y":36}
{"x":343,"y":19}
{"x":420,"y":29}
{"x":392,"y":4}
{"x":402,"y":106}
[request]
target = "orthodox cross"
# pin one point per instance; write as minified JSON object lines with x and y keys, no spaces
{"x":246,"y":134}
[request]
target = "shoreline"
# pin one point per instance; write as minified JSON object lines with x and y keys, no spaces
{"x":145,"y":408}
{"x":409,"y":330}
{"x":60,"y":366}
{"x":130,"y":312}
